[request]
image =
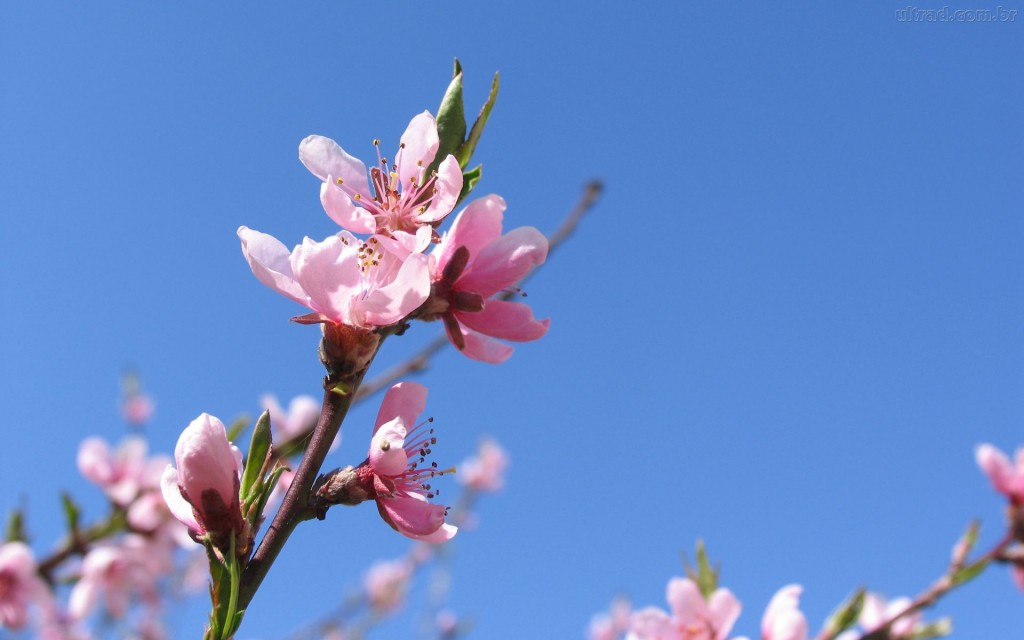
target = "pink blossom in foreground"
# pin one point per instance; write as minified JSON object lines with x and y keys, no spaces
{"x":472,"y":264}
{"x":486,"y":470}
{"x":122,"y":474}
{"x":392,"y":471}
{"x":692,"y":617}
{"x":386,"y":584}
{"x":1007,"y":477}
{"x":877,"y":612}
{"x":300,"y":418}
{"x":343,"y":280}
{"x":405,"y":203}
{"x":202,"y":492}
{"x":118,"y":573}
{"x":783,"y":619}
{"x":20,"y":585}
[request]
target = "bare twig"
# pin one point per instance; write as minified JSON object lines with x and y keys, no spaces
{"x":421,"y":360}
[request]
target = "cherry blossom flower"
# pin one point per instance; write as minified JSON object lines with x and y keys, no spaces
{"x":137,"y":409}
{"x":303,"y":412}
{"x":1007,"y":477}
{"x":405,"y":204}
{"x":202,"y":492}
{"x":876,"y":612}
{"x":393,"y":474}
{"x":692,"y":617}
{"x":783,"y":619}
{"x":120,"y":572}
{"x":20,"y":585}
{"x":386,"y":584}
{"x":343,"y":280}
{"x":122,"y":474}
{"x":471,"y":265}
{"x":485,"y":471}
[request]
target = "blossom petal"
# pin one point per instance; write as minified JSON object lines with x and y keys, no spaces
{"x":205,"y":460}
{"x":480,"y":347}
{"x":387,"y":457}
{"x":725,"y":610}
{"x":504,"y":261}
{"x":417,"y":148}
{"x":405,"y":400}
{"x":329,"y":274}
{"x":782,"y":619}
{"x":448,"y":185}
{"x":269,"y":261}
{"x":651,"y":622}
{"x":413,"y":514}
{"x":996,"y":465}
{"x":444,"y":533}
{"x":327,"y":160}
{"x":410,"y":288}
{"x":341,"y":209}
{"x":687,"y":602}
{"x":179,"y":507}
{"x":506,"y":320}
{"x":476,"y":226}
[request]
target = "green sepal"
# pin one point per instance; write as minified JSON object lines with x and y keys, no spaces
{"x":703,"y":574}
{"x":846,"y":615}
{"x":451,"y":120}
{"x":937,"y":629}
{"x":259,"y":450}
{"x":225,"y":575}
{"x":236,"y":428}
{"x":466,"y":151}
{"x":15,"y":530}
{"x":72,"y":514}
{"x":469,"y":180}
{"x":970,"y":572}
{"x":268,"y":487}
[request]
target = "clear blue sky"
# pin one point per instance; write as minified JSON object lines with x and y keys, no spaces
{"x":794,"y":314}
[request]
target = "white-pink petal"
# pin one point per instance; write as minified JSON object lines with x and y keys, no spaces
{"x":448,"y":185}
{"x":504,"y":261}
{"x":270,"y":262}
{"x":327,"y":160}
{"x":506,"y":320}
{"x":475,"y":227}
{"x":340,"y":208}
{"x":404,"y":400}
{"x":417,"y":149}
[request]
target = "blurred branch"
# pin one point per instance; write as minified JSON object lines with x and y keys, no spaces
{"x":421,"y":360}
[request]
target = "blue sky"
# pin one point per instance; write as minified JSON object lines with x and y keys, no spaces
{"x":793,"y":315}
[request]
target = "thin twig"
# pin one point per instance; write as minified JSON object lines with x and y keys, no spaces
{"x":421,"y":360}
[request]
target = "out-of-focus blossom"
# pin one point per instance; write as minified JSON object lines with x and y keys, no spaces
{"x":300,"y":418}
{"x":877,"y":612}
{"x":486,"y":470}
{"x":1017,"y":573}
{"x":405,"y":204}
{"x":343,"y":280}
{"x":472,"y":264}
{"x":396,"y":473}
{"x":20,"y":586}
{"x":1007,"y":477}
{"x":122,"y":474}
{"x":783,"y":619}
{"x":202,"y":492}
{"x":612,"y":624}
{"x":692,"y":617}
{"x":137,"y":409}
{"x":120,"y":572}
{"x":447,"y":624}
{"x":386,"y":584}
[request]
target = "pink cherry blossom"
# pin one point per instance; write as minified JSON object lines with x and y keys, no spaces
{"x":123,"y":474}
{"x":386,"y":584}
{"x":612,"y":624}
{"x":202,"y":492}
{"x":692,"y":617}
{"x":20,"y":585}
{"x":119,"y":573}
{"x":877,"y":612}
{"x":392,"y":472}
{"x":137,"y":409}
{"x":343,"y":280}
{"x":783,"y":619}
{"x":472,"y":264}
{"x":405,"y":203}
{"x":299,"y":420}
{"x":485,"y":471}
{"x":1007,"y":477}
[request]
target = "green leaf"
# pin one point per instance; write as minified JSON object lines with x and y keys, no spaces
{"x":451,"y":120}
{"x":259,"y":449}
{"x":16,"y":527}
{"x":469,"y":180}
{"x":937,"y":629}
{"x":970,"y":572}
{"x":966,"y":543}
{"x":72,"y":513}
{"x":466,"y":152}
{"x":236,"y":428}
{"x":846,"y":615}
{"x":707,"y":578}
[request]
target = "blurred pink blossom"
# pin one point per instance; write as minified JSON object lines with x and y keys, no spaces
{"x":1007,"y":477}
{"x":783,"y":619}
{"x":405,"y":204}
{"x":692,"y":617}
{"x":343,"y":280}
{"x":877,"y":612}
{"x":120,"y":572}
{"x":202,"y":492}
{"x":137,"y":409}
{"x":486,"y":470}
{"x":472,"y":264}
{"x":386,"y":584}
{"x":302,"y":415}
{"x":124,"y":473}
{"x":612,"y":624}
{"x":20,"y":586}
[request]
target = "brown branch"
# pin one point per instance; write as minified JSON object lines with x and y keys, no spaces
{"x":421,"y":360}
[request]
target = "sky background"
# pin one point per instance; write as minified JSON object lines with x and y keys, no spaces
{"x":792,"y":317}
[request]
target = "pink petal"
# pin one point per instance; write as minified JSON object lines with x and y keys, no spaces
{"x":341,"y":209}
{"x":387,"y":457}
{"x":410,"y":288}
{"x":413,"y":514}
{"x":177,"y":504}
{"x":449,"y":186}
{"x":686,"y":601}
{"x":480,"y":347}
{"x":504,"y":262}
{"x":445,"y":533}
{"x":327,"y":160}
{"x":476,"y":226}
{"x":405,"y":400}
{"x":783,"y":619}
{"x":417,"y":149}
{"x":652,"y":622}
{"x":996,"y":466}
{"x":270,"y":263}
{"x":205,"y":460}
{"x":506,"y":320}
{"x":94,"y":461}
{"x":82,"y":599}
{"x":725,"y":610}
{"x":329,"y":274}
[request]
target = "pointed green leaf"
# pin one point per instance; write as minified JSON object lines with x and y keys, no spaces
{"x":938,"y":629}
{"x":236,"y":428}
{"x":259,"y":449}
{"x":970,"y":572}
{"x":466,"y":152}
{"x":469,"y":180}
{"x":846,"y":615}
{"x":71,"y":512}
{"x":966,"y":543}
{"x":451,"y":120}
{"x":707,"y":578}
{"x":16,"y":527}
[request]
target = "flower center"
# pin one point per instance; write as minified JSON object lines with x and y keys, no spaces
{"x":417,"y":447}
